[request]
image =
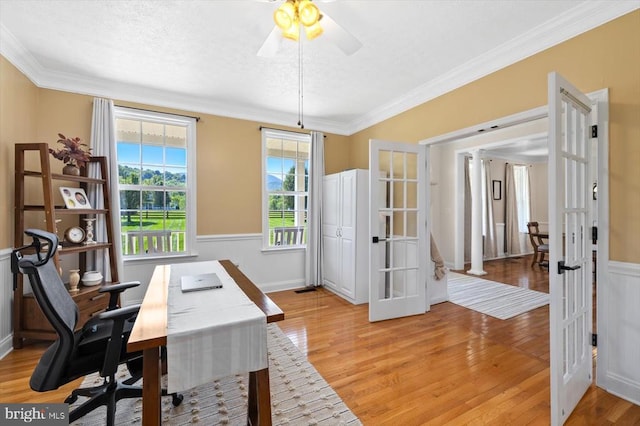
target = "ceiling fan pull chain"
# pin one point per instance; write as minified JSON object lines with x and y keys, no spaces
{"x":300,"y":87}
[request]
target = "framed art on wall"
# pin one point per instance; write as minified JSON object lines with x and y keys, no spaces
{"x":497,"y":189}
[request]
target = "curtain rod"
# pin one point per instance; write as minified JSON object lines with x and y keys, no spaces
{"x":282,"y":130}
{"x":161,"y":112}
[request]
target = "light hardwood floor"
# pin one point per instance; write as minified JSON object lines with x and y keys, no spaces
{"x":450,"y":366}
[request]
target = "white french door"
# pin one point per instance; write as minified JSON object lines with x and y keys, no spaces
{"x":569,"y":246}
{"x":398,"y":252}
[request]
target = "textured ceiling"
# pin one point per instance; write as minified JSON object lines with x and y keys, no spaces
{"x":201,"y":55}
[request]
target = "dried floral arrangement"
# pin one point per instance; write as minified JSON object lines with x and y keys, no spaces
{"x":73,"y":152}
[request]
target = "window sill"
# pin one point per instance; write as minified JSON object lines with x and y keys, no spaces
{"x":156,"y":259}
{"x":273,"y":250}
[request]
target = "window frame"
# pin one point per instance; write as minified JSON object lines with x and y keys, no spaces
{"x":267,"y":133}
{"x":190,"y":188}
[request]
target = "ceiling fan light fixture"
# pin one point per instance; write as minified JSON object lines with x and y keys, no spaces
{"x":308,"y":12}
{"x":293,"y":32}
{"x":285,"y":16}
{"x":313,"y":31}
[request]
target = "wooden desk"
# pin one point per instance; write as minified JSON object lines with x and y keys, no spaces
{"x":150,"y":333}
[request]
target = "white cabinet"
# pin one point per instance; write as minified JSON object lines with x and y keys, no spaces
{"x":345,"y":205}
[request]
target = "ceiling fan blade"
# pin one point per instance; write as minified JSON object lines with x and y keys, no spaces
{"x":338,"y":35}
{"x":272,"y":44}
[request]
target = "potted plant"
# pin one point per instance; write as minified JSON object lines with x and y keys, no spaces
{"x":74,"y":154}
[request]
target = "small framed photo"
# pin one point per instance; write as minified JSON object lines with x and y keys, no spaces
{"x":497,"y":189}
{"x":75,"y":198}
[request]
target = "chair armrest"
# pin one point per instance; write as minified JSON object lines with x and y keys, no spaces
{"x":119,"y":314}
{"x":118,"y":287}
{"x":114,"y":290}
{"x":117,"y":344}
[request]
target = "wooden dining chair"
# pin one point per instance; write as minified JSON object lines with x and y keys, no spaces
{"x":540,"y":247}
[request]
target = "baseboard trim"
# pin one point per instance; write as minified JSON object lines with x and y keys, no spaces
{"x":6,"y":346}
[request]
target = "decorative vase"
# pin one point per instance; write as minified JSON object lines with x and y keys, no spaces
{"x":74,"y":280}
{"x":71,"y":170}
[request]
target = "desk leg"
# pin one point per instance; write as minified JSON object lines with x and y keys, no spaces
{"x":259,"y":410}
{"x":151,"y":389}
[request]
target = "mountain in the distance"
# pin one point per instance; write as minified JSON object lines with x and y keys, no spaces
{"x":274,"y":183}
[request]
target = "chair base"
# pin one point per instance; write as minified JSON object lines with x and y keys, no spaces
{"x":109,"y":393}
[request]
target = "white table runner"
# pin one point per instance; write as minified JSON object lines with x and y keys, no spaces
{"x":211,"y":333}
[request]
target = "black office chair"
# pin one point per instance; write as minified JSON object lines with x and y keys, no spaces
{"x":101,"y":344}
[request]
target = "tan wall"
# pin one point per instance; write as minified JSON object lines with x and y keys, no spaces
{"x":18,"y":123}
{"x":606,"y":57}
{"x":228,"y":153}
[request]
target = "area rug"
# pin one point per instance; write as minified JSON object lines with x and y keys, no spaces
{"x":299,"y":396}
{"x":498,"y":300}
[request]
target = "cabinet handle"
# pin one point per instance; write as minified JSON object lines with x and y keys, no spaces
{"x":93,"y":314}
{"x":98,"y":296}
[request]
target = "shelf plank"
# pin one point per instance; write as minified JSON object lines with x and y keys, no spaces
{"x":70,"y":178}
{"x":79,"y":248}
{"x":64,"y":210}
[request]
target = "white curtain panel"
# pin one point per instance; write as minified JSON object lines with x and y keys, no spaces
{"x":313,"y":254}
{"x":103,"y":143}
{"x":512,"y":230}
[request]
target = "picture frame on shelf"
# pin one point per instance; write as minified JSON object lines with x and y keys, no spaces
{"x":75,"y":198}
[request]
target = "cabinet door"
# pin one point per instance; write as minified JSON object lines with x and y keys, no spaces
{"x":330,"y":223}
{"x":347,"y":232}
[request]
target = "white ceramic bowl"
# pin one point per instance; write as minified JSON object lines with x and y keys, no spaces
{"x":92,"y":278}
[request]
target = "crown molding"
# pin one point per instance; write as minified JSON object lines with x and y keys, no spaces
{"x":578,"y":20}
{"x":584,"y":17}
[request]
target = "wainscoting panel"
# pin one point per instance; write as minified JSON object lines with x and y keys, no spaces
{"x":618,"y":369}
{"x":6,"y":298}
{"x":270,"y":270}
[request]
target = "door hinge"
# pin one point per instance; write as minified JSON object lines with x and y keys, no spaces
{"x":594,"y":131}
{"x":594,"y":235}
{"x":594,"y":339}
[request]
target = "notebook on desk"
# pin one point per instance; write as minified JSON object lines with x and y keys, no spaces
{"x":200,"y":282}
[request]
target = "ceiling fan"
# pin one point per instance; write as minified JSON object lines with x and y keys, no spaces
{"x":294,"y":17}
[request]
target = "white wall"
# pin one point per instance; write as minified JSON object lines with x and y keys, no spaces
{"x":271,"y":270}
{"x":619,"y":337}
{"x":6,"y":298}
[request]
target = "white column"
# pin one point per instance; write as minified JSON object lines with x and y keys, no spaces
{"x":476,"y":216}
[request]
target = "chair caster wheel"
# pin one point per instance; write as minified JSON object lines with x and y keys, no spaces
{"x":71,"y":399}
{"x":176,"y":399}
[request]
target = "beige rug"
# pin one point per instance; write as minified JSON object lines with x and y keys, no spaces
{"x":299,"y":396}
{"x":499,"y":300}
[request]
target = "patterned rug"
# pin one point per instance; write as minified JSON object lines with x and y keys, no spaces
{"x":299,"y":396}
{"x":498,"y":300}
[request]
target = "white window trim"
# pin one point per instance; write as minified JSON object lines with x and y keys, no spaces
{"x":273,"y":133}
{"x":190,"y":187}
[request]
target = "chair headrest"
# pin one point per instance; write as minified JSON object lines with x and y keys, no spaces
{"x":43,"y":238}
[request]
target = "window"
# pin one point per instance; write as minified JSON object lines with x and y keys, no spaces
{"x":521,"y":180}
{"x":156,"y":183}
{"x":285,"y":188}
